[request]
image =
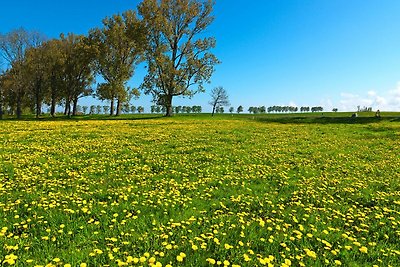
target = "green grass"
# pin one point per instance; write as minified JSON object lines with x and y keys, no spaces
{"x":301,"y":187}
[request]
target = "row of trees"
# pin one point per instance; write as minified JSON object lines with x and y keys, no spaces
{"x":169,"y":36}
{"x":98,"y":109}
{"x":177,"y":109}
{"x":284,"y":109}
{"x":131,"y":109}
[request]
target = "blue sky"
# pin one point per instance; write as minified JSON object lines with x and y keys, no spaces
{"x":334,"y":53}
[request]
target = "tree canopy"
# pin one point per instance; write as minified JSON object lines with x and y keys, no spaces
{"x":178,"y":56}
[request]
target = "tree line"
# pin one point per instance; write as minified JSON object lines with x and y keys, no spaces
{"x":284,"y":109}
{"x":169,"y":36}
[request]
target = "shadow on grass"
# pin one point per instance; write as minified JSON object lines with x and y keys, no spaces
{"x":325,"y":120}
{"x":87,"y":118}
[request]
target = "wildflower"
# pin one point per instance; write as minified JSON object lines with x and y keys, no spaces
{"x":211,"y":261}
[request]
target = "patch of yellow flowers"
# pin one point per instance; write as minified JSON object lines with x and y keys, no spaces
{"x":200,"y":192}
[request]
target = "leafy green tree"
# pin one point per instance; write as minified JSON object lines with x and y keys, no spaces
{"x":2,"y":92}
{"x":178,"y":109}
{"x":54,"y":56}
{"x":231,"y":109}
{"x":79,"y":70}
{"x":106,"y":109}
{"x":13,"y":46}
{"x":219,"y":98}
{"x":126,"y":107}
{"x":92,"y":109}
{"x":84,"y":109}
{"x":133,"y":109}
{"x":35,"y":73}
{"x":178,"y":54}
{"x":98,"y":109}
{"x":239,"y":109}
{"x":196,"y":109}
{"x":119,"y":45}
{"x":140,"y":109}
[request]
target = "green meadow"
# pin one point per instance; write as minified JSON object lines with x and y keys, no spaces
{"x":191,"y":190}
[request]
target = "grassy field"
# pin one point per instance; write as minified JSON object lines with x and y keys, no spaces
{"x":197,"y":191}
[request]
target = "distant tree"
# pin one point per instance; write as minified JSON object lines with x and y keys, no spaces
{"x":254,"y":110}
{"x":140,"y":109}
{"x":239,"y":109}
{"x":158,"y":109}
{"x":126,"y":107}
{"x":106,"y":109}
{"x":133,"y":109}
{"x":178,"y":109}
{"x":78,"y":108}
{"x":196,"y":109}
{"x":231,"y":110}
{"x":335,"y":110}
{"x":98,"y":109}
{"x":92,"y":109}
{"x":84,"y":109}
{"x":178,"y":54}
{"x":262,"y":109}
{"x":219,"y":98}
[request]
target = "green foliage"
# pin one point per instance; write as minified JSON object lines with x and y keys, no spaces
{"x":119,"y":46}
{"x":179,"y":59}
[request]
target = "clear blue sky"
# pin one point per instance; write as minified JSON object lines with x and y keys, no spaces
{"x":334,"y":53}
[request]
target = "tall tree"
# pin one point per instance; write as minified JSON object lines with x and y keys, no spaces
{"x":79,"y":70}
{"x":219,"y":98}
{"x":13,"y":46}
{"x":179,"y":57}
{"x":119,"y":46}
{"x":2,"y":92}
{"x":35,"y":74}
{"x":54,"y":58}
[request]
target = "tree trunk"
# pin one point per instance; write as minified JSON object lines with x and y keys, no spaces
{"x":37,"y":99}
{"x":1,"y":103}
{"x":75,"y":106}
{"x":118,"y":108}
{"x":53,"y":97}
{"x":19,"y":106}
{"x":53,"y":107}
{"x":112,"y":107}
{"x":67,"y":106}
{"x":213,"y":111}
{"x":38,"y":109}
{"x":168,"y":105}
